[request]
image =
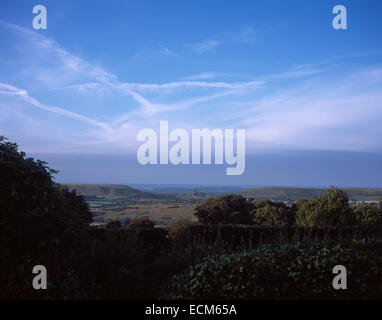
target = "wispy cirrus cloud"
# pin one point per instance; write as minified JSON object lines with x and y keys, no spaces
{"x":70,"y":65}
{"x":160,"y":86}
{"x":168,"y":51}
{"x":72,"y":68}
{"x":204,"y":46}
{"x":203,"y":76}
{"x":214,"y":75}
{"x":329,"y":114}
{"x":246,"y":35}
{"x":189,"y":84}
{"x":6,"y":89}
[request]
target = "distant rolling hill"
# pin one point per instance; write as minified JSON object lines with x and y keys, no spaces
{"x":273,"y":193}
{"x":112,"y":191}
{"x":293,"y":194}
{"x":209,"y":190}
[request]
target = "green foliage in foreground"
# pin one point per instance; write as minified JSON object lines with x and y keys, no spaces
{"x":287,"y":271}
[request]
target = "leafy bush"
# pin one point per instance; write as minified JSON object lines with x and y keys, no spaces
{"x":288,"y":271}
{"x":270,"y":213}
{"x":147,"y":234}
{"x":330,"y":210}
{"x":114,"y":224}
{"x":300,"y":202}
{"x":180,"y":232}
{"x":140,"y":223}
{"x":368,"y":215}
{"x":262,"y":203}
{"x":225,"y":209}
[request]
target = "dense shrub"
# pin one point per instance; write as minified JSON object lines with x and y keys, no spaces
{"x":330,"y":210}
{"x":268,"y":213}
{"x":114,"y":224}
{"x":140,"y":223}
{"x":368,"y":215}
{"x":262,"y":203}
{"x":299,"y":203}
{"x":288,"y":271}
{"x":180,"y":232}
{"x":225,"y":209}
{"x":147,"y":234}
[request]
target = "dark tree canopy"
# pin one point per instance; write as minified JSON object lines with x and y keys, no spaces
{"x":270,"y":213}
{"x":225,"y":209}
{"x":31,"y":204}
{"x":141,"y":223}
{"x":330,"y":210}
{"x":39,"y":220}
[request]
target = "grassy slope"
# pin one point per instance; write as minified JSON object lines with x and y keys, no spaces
{"x":112,"y":191}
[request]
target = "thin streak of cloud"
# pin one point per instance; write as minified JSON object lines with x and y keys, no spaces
{"x":168,"y":51}
{"x":72,"y":62}
{"x":247,"y":36}
{"x":204,"y":46}
{"x":6,"y":89}
{"x":201,"y":84}
{"x":202,"y":76}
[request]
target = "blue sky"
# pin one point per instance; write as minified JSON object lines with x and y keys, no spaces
{"x":103,"y":70}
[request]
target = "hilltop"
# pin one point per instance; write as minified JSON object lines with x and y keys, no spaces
{"x":112,"y":191}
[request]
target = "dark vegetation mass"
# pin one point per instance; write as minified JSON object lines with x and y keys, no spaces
{"x":241,"y":248}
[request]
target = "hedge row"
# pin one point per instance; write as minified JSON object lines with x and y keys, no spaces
{"x":252,"y":236}
{"x":156,"y":238}
{"x":234,"y":235}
